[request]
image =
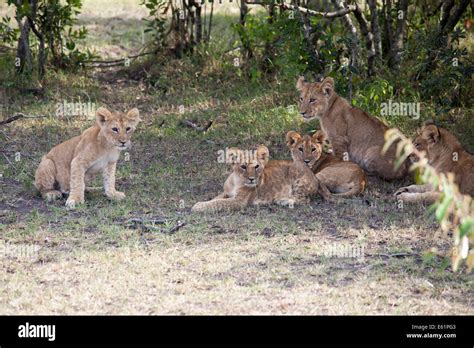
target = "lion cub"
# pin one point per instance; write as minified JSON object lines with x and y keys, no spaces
{"x":350,"y":130}
{"x":446,"y":154}
{"x":69,"y":165}
{"x":256,"y":181}
{"x":337,"y":178}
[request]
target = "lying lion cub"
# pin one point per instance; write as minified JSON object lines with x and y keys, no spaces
{"x":255,"y":180}
{"x":337,"y":178}
{"x":70,"y":164}
{"x":351,"y":131}
{"x":446,"y":154}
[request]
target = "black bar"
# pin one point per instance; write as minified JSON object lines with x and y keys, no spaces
{"x":391,"y":330}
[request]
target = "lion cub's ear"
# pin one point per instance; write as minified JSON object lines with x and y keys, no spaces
{"x":292,"y":138}
{"x":102,"y":115}
{"x":300,"y":83}
{"x":327,"y":86}
{"x":133,"y":115}
{"x":431,"y":134}
{"x":319,"y":137}
{"x":263,"y":154}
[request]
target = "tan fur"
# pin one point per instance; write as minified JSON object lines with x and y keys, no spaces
{"x":337,"y":178}
{"x":351,"y":131}
{"x":258,"y":181}
{"x":446,"y":154}
{"x":69,"y":165}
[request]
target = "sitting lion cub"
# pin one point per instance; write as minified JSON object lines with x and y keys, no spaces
{"x":70,"y":164}
{"x":351,"y":131}
{"x":255,"y":180}
{"x":337,"y":178}
{"x":446,"y":154}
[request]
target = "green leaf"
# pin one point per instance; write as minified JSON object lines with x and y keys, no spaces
{"x":443,"y":208}
{"x":466,"y":227}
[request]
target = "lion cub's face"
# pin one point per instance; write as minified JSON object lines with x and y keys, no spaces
{"x":306,"y":149}
{"x":314,"y":97}
{"x":118,"y":127}
{"x":249,"y":166}
{"x":426,"y":137}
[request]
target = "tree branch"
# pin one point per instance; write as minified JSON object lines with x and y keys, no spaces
{"x":339,"y":13}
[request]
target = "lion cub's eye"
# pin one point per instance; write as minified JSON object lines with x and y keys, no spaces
{"x":312,"y":100}
{"x":301,"y":99}
{"x":301,"y":149}
{"x":243,"y":166}
{"x":128,"y":129}
{"x":115,"y":129}
{"x":313,"y":149}
{"x":257,"y":166}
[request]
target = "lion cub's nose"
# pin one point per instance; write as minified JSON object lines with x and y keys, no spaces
{"x":123,"y":142}
{"x":306,"y":161}
{"x":303,"y":113}
{"x":251,"y":178}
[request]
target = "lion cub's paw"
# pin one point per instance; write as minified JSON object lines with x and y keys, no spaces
{"x":51,"y":196}
{"x":116,"y":196}
{"x":286,"y":202}
{"x":72,"y":202}
{"x":407,"y":196}
{"x":402,"y":190}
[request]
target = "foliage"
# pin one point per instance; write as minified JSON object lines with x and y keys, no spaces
{"x":54,"y":22}
{"x":454,"y":211}
{"x":8,"y":35}
{"x":156,"y":22}
{"x":453,"y":69}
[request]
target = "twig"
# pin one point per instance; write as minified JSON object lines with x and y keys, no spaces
{"x":114,"y":62}
{"x":141,"y":221}
{"x":194,"y":126}
{"x":17,"y":117}
{"x":146,"y":224}
{"x":398,"y":255}
{"x":177,"y":227}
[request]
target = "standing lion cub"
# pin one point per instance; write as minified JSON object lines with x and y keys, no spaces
{"x":351,"y":131}
{"x":69,"y":165}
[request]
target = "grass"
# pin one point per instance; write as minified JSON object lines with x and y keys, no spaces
{"x":259,"y":261}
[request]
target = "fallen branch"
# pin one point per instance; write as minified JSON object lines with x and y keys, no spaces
{"x":398,"y":255}
{"x":150,"y":224}
{"x":196,"y":127}
{"x":141,"y":221}
{"x":115,"y":62}
{"x":17,"y":117}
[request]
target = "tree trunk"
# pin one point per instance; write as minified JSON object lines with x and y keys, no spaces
{"x":374,"y":24}
{"x":369,"y":39}
{"x":347,"y":21}
{"x":397,"y":44}
{"x":198,"y":7}
{"x":24,"y":60}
